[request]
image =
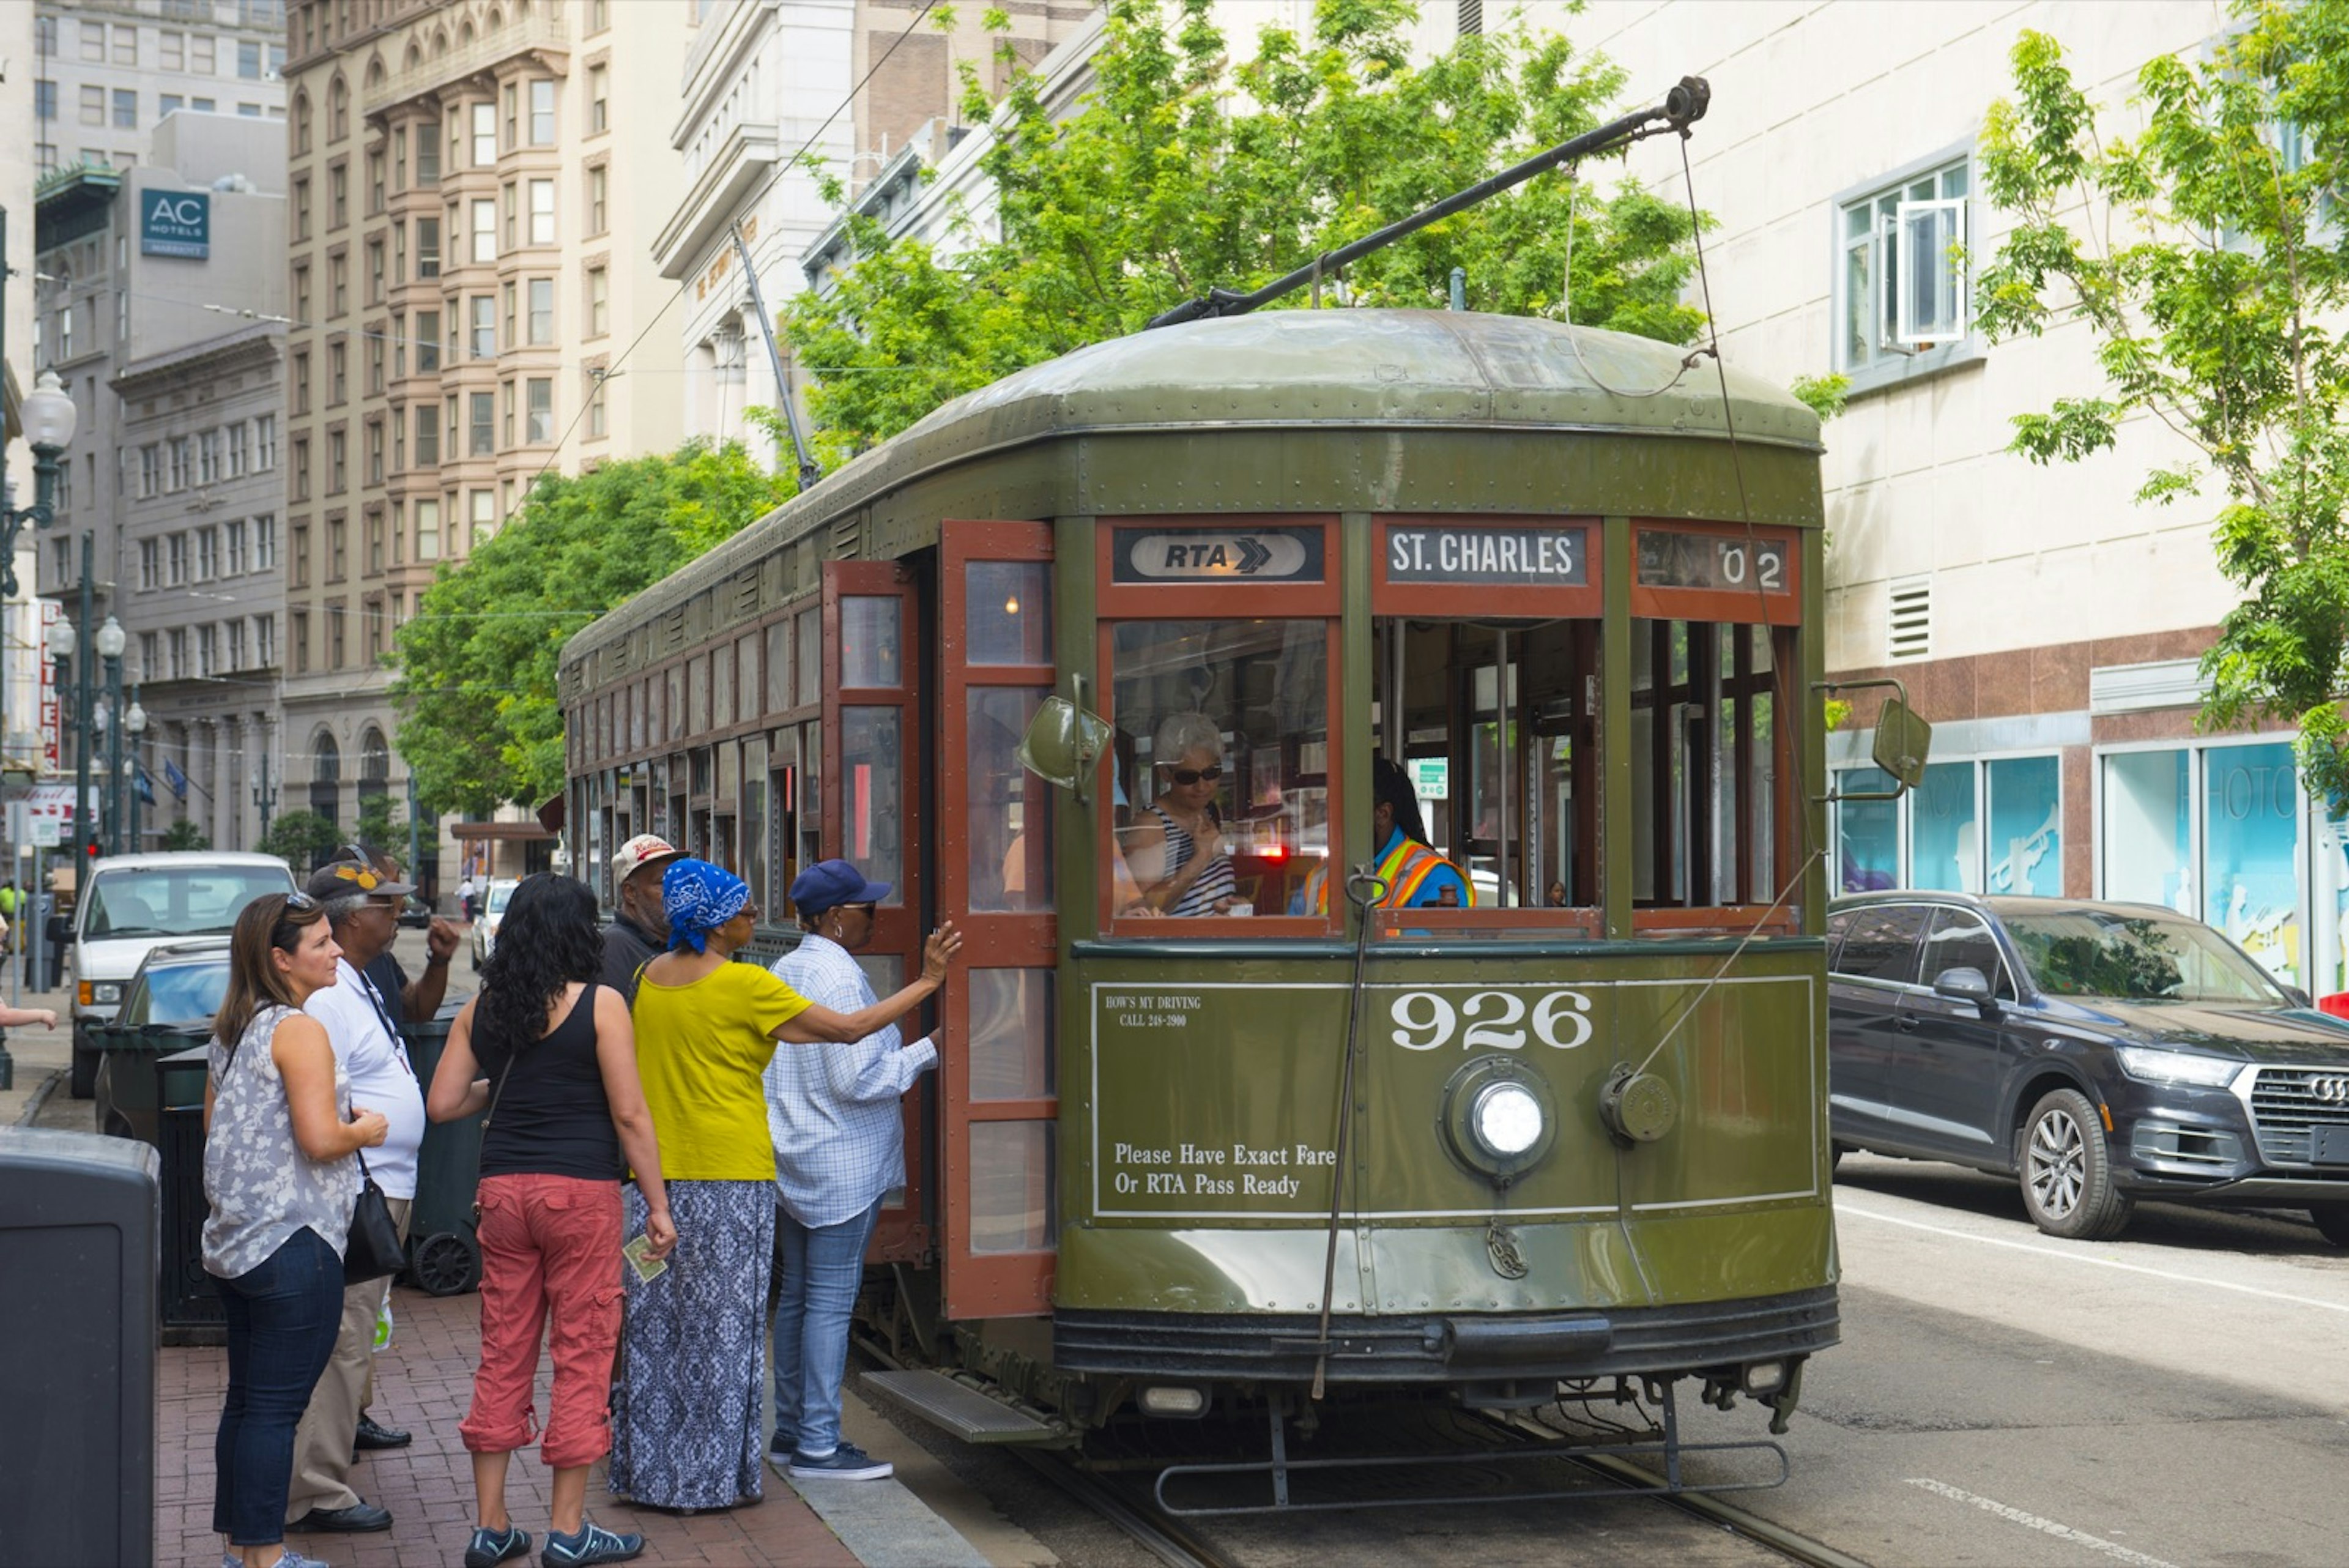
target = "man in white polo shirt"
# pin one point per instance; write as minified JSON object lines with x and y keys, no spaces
{"x":363,"y":908}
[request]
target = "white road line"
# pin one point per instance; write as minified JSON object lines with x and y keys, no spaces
{"x":1843,"y":1206}
{"x":2045,"y":1526}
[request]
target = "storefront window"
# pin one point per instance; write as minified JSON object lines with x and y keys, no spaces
{"x":1868,"y":856}
{"x":2251,"y":853}
{"x":2026,"y":825}
{"x":2147,"y":829}
{"x":1943,"y":838}
{"x":1221,"y":773}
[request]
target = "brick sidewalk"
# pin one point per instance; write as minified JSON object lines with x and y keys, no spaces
{"x":424,"y":1382}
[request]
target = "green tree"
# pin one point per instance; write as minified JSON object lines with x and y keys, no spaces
{"x":2208,"y":257}
{"x":1167,"y":183}
{"x":477,"y":664}
{"x":299,"y":838}
{"x":383,"y":827}
{"x":184,"y":834}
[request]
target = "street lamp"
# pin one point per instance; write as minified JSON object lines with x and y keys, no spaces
{"x":48,"y":415}
{"x":134,"y":724}
{"x":111,"y":643}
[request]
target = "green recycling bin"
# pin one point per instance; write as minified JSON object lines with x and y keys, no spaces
{"x":443,"y":1257}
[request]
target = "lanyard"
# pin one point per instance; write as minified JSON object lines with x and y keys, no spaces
{"x":375,"y":999}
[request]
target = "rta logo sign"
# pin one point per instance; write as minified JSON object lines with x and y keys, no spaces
{"x":176,"y":223}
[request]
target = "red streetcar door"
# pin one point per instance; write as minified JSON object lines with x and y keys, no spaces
{"x":867,"y":784}
{"x":995,"y":876}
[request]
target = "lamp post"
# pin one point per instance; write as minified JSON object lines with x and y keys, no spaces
{"x":134,"y":724}
{"x":48,"y":418}
{"x":111,"y":643}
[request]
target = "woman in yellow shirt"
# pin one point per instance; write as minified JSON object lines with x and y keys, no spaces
{"x":686,"y":1432}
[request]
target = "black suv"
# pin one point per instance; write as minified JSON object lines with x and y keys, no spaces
{"x":2099,"y":1053}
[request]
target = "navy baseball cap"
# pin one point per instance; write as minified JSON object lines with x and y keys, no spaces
{"x":828,"y":884}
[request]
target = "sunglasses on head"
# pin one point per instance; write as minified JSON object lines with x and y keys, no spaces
{"x":300,"y":901}
{"x":1207,"y":775}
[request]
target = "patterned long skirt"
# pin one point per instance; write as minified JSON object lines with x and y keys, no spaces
{"x":685,"y":1415}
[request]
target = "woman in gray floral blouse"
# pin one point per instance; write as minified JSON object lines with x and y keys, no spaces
{"x":279,"y":1134}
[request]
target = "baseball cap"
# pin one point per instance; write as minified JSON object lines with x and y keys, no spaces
{"x":342,"y":879}
{"x":643,"y":849}
{"x":828,"y":884}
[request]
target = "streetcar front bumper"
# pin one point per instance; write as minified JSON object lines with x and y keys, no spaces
{"x":1447,"y":1348}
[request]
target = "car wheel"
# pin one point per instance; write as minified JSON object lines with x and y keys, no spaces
{"x":84,"y":1083}
{"x":2068,"y":1175}
{"x":2332,"y":1219}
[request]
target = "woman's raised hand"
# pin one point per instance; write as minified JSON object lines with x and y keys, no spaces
{"x":939,"y":951}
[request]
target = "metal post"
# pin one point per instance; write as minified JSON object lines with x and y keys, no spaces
{"x":114,"y":728}
{"x":264,"y":795}
{"x":810,"y":475}
{"x":130,"y":771}
{"x":415,"y":836}
{"x":83,"y":723}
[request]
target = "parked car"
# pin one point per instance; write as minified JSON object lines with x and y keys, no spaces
{"x":415,"y":912}
{"x":485,"y":923}
{"x":134,"y":902}
{"x":168,"y":1006}
{"x":2099,"y":1054}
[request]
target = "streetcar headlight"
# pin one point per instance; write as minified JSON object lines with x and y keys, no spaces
{"x":1507,"y":1119}
{"x":1498,"y":1119}
{"x":1173,"y":1399}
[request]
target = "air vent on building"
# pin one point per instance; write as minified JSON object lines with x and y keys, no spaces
{"x":1472,"y":17}
{"x":1910,"y":627}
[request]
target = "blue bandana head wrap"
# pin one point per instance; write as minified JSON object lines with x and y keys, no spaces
{"x":698,"y":898}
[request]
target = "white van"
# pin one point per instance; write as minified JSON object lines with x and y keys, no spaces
{"x":132,"y":903}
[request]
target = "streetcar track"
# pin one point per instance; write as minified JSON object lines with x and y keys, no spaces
{"x":1167,"y":1538}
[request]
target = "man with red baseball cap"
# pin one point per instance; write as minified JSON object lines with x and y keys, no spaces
{"x":638,"y":931}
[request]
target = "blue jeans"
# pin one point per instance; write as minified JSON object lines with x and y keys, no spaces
{"x":281,"y":1320}
{"x":822,"y":1268}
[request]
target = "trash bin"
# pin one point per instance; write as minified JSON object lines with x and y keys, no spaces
{"x":443,"y":1258}
{"x":191,"y":1306}
{"x":77,"y":1225}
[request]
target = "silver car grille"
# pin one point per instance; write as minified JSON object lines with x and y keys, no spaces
{"x":2286,"y":1103}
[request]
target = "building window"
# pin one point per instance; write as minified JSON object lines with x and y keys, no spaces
{"x":506,"y":434}
{"x":248,"y":59}
{"x":208,"y":458}
{"x":301,"y":123}
{"x":541,"y":112}
{"x":338,"y":110}
{"x":336,"y":556}
{"x":485,"y":135}
{"x":234,"y":539}
{"x":484,"y":518}
{"x":93,"y":106}
{"x":150,"y":567}
{"x":235,"y":629}
{"x":302,"y":296}
{"x":298,"y":625}
{"x":599,"y":302}
{"x":538,"y":408}
{"x":375,"y":451}
{"x":598,"y":187}
{"x":339,"y":285}
{"x":207,"y":555}
{"x":428,"y":529}
{"x":599,"y":98}
{"x":45,"y":101}
{"x":374,"y":183}
{"x":177,"y":658}
{"x":175,"y":561}
{"x":150,"y":653}
{"x":542,"y":211}
{"x":375,"y":543}
{"x":375,"y":364}
{"x":427,"y":435}
{"x":93,"y":41}
{"x":203,"y":62}
{"x":265,"y":640}
{"x":240,"y":449}
{"x":264,"y":543}
{"x":338,"y":373}
{"x":151,"y":469}
{"x":428,"y":156}
{"x":375,"y":272}
{"x":265,"y":444}
{"x":485,"y":231}
{"x":399,"y":159}
{"x":125,"y":109}
{"x":483,"y":414}
{"x":596,"y":403}
{"x":1902,"y":279}
{"x":427,"y":341}
{"x":168,"y":103}
{"x":542,"y":310}
{"x":399,"y":346}
{"x":484,"y":322}
{"x":510,"y":294}
{"x":338,"y":462}
{"x":339,"y":196}
{"x":298,"y":482}
{"x":126,"y":45}
{"x":182,"y":462}
{"x":334,"y":637}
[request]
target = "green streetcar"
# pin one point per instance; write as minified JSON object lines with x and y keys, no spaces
{"x":1305,"y":1146}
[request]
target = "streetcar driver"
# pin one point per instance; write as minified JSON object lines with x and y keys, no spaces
{"x":1414,"y":875}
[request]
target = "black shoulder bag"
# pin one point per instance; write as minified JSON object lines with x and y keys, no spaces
{"x":373,"y":1249}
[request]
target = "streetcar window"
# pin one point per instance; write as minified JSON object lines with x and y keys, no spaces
{"x":1494,"y":724}
{"x":1704,"y":765}
{"x":872,"y":781}
{"x":1222,"y":778}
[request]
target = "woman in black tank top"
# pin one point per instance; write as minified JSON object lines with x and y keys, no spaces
{"x":551,"y":1055}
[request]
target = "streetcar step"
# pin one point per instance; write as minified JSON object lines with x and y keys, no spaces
{"x":960,"y":1408}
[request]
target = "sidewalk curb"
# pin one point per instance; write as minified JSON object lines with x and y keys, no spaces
{"x":884,"y":1525}
{"x":32,"y":1111}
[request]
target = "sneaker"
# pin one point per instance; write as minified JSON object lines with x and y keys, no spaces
{"x":782,"y":1445}
{"x":847,"y":1462}
{"x":491,"y":1547}
{"x":594,"y":1544}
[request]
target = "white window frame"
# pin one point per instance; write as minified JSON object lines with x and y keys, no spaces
{"x":1908,"y":349}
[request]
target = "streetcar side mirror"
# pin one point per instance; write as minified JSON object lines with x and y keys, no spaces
{"x":1903,"y":741}
{"x":1062,"y":744}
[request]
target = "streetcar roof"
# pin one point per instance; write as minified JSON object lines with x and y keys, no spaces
{"x":1337,"y":370}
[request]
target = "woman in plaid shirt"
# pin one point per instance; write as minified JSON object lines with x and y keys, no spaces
{"x":840,"y":1144}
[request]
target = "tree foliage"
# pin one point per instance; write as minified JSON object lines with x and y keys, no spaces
{"x":300,"y":839}
{"x":183,"y":834}
{"x":2208,"y":255}
{"x":382,"y":826}
{"x":1169,"y":183}
{"x":477,"y":664}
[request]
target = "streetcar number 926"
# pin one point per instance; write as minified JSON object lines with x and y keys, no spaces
{"x":1494,"y":1019}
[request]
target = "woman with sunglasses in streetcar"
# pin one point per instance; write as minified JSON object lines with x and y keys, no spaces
{"x":1176,"y":847}
{"x":688,"y":1432}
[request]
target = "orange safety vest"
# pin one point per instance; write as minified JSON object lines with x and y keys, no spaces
{"x":1404,"y":870}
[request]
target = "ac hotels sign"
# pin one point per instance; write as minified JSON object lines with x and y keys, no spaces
{"x":175,"y":223}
